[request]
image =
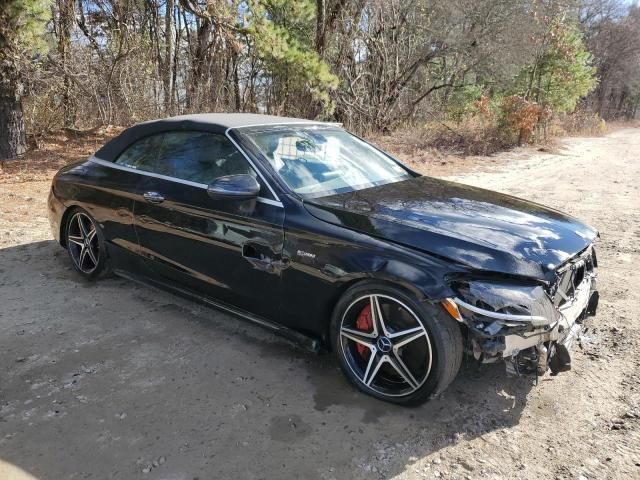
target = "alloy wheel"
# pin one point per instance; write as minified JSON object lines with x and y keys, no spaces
{"x":82,"y":241}
{"x":385,"y":345}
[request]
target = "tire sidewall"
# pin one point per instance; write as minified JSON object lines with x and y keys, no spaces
{"x":429,"y":315}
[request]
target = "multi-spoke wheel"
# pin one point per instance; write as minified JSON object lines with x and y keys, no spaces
{"x":393,"y":347}
{"x":85,"y":245}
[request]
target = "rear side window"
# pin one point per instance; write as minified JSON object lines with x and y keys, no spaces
{"x":142,"y":155}
{"x":199,"y":157}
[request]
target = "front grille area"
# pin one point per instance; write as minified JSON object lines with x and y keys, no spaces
{"x":571,"y":274}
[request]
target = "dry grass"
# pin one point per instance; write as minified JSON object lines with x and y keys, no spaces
{"x":52,"y":152}
{"x":25,"y":183}
{"x":578,"y":124}
{"x":439,"y":148}
{"x":473,"y":136}
{"x":614,"y":125}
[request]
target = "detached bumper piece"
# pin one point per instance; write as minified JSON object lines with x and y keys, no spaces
{"x":536,"y":343}
{"x":560,"y":361}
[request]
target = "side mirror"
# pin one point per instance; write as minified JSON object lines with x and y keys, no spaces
{"x":234,"y":187}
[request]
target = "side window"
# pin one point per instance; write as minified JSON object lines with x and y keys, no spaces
{"x":142,"y":155}
{"x":201,"y":157}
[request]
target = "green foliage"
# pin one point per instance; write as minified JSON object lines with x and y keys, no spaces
{"x":558,"y":75}
{"x":371,"y":65}
{"x":280,"y":31}
{"x":22,"y":24}
{"x":462,"y":102}
{"x":562,"y":72}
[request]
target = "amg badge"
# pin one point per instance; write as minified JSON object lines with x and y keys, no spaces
{"x":302,"y":253}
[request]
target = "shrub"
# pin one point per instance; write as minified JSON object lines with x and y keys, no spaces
{"x":580,"y":122}
{"x":521,"y":116}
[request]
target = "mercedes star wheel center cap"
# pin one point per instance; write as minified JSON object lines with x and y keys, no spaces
{"x":384,"y":344}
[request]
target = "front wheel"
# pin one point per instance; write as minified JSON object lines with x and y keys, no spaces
{"x":392,"y":346}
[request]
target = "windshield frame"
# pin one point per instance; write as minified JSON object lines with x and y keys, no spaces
{"x":247,"y":142}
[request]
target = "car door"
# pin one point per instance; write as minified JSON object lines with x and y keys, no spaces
{"x":225,"y":249}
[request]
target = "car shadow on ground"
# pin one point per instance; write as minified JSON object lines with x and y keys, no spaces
{"x":163,"y":387}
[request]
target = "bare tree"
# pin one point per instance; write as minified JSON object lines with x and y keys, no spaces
{"x":371,"y":64}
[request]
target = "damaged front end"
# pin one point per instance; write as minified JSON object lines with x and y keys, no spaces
{"x":531,"y":327}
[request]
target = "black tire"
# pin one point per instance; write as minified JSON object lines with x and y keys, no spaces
{"x":90,"y":259}
{"x":442,"y":344}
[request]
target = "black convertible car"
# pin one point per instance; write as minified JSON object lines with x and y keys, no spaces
{"x":306,"y":229}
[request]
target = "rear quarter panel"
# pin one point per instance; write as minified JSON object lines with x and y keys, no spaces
{"x":108,"y":194}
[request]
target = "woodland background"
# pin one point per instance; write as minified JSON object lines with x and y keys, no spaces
{"x":473,"y":75}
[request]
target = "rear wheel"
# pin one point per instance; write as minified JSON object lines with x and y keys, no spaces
{"x":85,"y":245}
{"x":393,"y":347}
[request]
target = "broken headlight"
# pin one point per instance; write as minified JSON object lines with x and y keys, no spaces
{"x":502,"y":304}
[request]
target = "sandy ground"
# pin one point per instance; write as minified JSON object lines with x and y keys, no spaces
{"x":112,"y":380}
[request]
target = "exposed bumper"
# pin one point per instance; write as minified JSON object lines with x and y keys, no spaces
{"x":538,"y":340}
{"x":566,"y":330}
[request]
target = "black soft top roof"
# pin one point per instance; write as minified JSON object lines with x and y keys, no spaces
{"x":213,"y":122}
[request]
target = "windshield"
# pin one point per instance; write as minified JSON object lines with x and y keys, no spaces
{"x":316,"y":161}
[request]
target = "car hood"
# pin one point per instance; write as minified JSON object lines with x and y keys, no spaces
{"x":479,"y":228}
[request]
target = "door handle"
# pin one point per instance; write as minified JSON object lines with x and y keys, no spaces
{"x":153,"y":197}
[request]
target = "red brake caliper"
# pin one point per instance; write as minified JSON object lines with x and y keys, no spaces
{"x":364,"y":323}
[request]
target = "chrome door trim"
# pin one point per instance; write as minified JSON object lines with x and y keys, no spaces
{"x":267,"y":201}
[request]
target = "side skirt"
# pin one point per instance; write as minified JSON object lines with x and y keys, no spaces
{"x":307,"y":343}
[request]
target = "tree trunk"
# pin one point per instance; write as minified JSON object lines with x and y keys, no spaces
{"x":236,"y":83}
{"x":12,"y":131}
{"x":66,"y":18}
{"x":199,"y":63}
{"x":167,"y":74}
{"x":320,"y":26}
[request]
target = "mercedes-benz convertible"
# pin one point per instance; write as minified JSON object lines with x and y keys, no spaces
{"x":309,"y":230}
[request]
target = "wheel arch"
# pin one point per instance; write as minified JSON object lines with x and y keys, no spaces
{"x":63,"y":224}
{"x":64,"y":219}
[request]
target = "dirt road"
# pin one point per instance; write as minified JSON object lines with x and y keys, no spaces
{"x":117,"y":381}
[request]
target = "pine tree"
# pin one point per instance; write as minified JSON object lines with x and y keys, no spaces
{"x":281,"y":34}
